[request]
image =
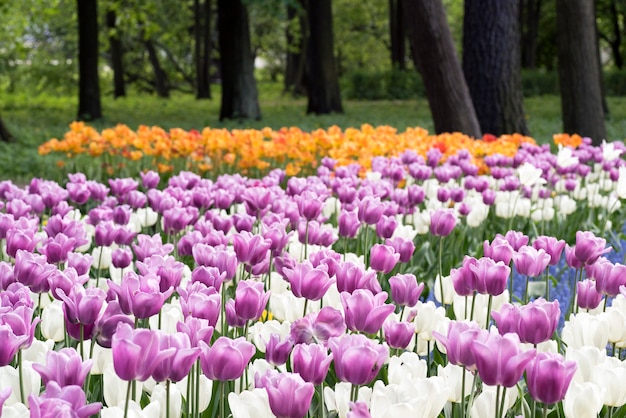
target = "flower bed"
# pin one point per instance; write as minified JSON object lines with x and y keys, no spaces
{"x":422,"y":288}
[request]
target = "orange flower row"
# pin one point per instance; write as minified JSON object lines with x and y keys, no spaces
{"x":252,"y":150}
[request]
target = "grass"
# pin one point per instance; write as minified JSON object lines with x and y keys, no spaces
{"x":33,"y":120}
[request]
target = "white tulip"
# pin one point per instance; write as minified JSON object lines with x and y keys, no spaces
{"x":206,"y":390}
{"x":102,"y":257}
{"x":565,"y":157}
{"x":529,"y":175}
{"x":609,"y":376}
{"x":587,"y":359}
{"x":9,"y":377}
{"x":478,"y":214}
{"x":17,"y":410}
{"x":146,"y":217}
{"x":153,"y":409}
{"x":159,"y":394}
{"x":421,"y":222}
{"x":584,"y":329}
{"x":453,"y":376}
{"x":171,"y":314}
{"x":485,"y":404}
{"x":114,"y":388}
{"x":261,"y":332}
{"x":38,"y":351}
{"x":620,"y":187}
{"x":250,"y":404}
{"x":448,"y":290}
{"x":609,"y":152}
{"x":52,"y":321}
{"x":338,"y":399}
{"x":407,"y":365}
{"x":582,"y":400}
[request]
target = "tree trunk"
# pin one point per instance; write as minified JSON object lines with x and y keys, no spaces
{"x":295,"y":70}
{"x":160,"y":77}
{"x":115,"y":49}
{"x":323,"y":92}
{"x":89,"y":107}
{"x":581,"y":96}
{"x":397,"y":34}
{"x":239,"y":92}
{"x":435,"y":57}
{"x":530,"y":13}
{"x":616,"y":43}
{"x":5,"y":135}
{"x":202,"y":47}
{"x":491,"y":64}
{"x":596,"y":33}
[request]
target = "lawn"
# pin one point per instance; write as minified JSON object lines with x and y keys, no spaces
{"x":35,"y":119}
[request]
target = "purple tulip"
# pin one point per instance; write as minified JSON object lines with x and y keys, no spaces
{"x":364,"y":311}
{"x":149,"y":179}
{"x":107,"y":323}
{"x":277,"y":351}
{"x":307,"y":281}
{"x":250,"y":249}
{"x":370,"y":210}
{"x":243,"y":222}
{"x":516,"y":239}
{"x":65,"y":367}
{"x":317,"y":234}
{"x":442,"y":222}
{"x":278,"y":237}
{"x":250,"y":299}
{"x":348,"y":224}
{"x":499,"y":359}
{"x":358,"y":409}
{"x":136,"y":353}
{"x":589,"y":247}
{"x":498,"y":250}
{"x":121,"y":257}
{"x":69,"y":401}
{"x":180,"y":356}
{"x":405,"y":291}
{"x":463,"y":278}
{"x":383,"y":258}
{"x":33,"y":271}
{"x":398,"y":334}
{"x":507,"y":319}
{"x":57,"y":249}
{"x":458,"y":342}
{"x":404,"y":247}
{"x":587,"y":295}
{"x":20,"y":239}
{"x":121,"y":186}
{"x":232,"y":319}
{"x":551,"y":246}
{"x":609,"y":277}
{"x":220,"y":257}
{"x":311,"y":362}
{"x":491,"y":277}
{"x":289,"y":395}
{"x":548,"y":377}
{"x":166,"y":268}
{"x":386,"y":226}
{"x":226,"y":359}
{"x":199,"y":301}
{"x":357,"y":358}
{"x":351,"y":276}
{"x":147,"y":246}
{"x":538,"y":321}
{"x":11,"y":343}
{"x":80,"y":262}
{"x":530,"y":261}
{"x":82,"y":306}
{"x":139,"y":295}
{"x":209,"y":276}
{"x":318,"y":327}
{"x":571,"y":259}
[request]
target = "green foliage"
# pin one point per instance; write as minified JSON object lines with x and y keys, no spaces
{"x":538,"y":82}
{"x":385,"y":85}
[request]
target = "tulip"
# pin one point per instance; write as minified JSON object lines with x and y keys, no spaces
{"x":442,"y":222}
{"x":548,"y":377}
{"x":398,"y":334}
{"x":250,"y":299}
{"x":551,"y":246}
{"x":140,"y":295}
{"x":317,"y":326}
{"x":107,"y":323}
{"x":606,"y":375}
{"x":584,"y":329}
{"x":348,"y":224}
{"x":587,"y":295}
{"x":62,"y":401}
{"x":277,"y":351}
{"x":491,"y":277}
{"x":311,"y":362}
{"x":383,"y":258}
{"x":308,"y":282}
{"x":498,"y":250}
{"x":226,"y":359}
{"x":33,"y":271}
{"x":583,"y":400}
{"x":65,"y":367}
{"x":136,"y":353}
{"x":499,"y":359}
{"x":404,"y":247}
{"x":405,"y":291}
{"x":351,"y":276}
{"x":364,"y":311}
{"x":589,"y":247}
{"x":458,"y":342}
{"x":181,"y":356}
{"x":357,"y":358}
{"x":516,"y":239}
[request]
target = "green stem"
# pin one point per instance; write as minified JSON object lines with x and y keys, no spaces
{"x":21,"y":376}
{"x":306,"y":303}
{"x":167,"y":398}
{"x":365,"y":249}
{"x":197,"y":382}
{"x":547,"y":274}
{"x":471,"y":318}
{"x":503,"y":402}
{"x":497,"y":415}
{"x":443,"y":299}
{"x":128,"y":388}
{"x":222,"y":401}
{"x":306,"y":240}
{"x":489,"y":303}
{"x":188,"y":410}
{"x":463,"y":391}
{"x":545,"y":410}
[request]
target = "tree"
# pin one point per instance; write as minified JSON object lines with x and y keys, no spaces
{"x":397,"y":34}
{"x":610,"y":18}
{"x":89,"y":107}
{"x":434,"y":55}
{"x":5,"y":134}
{"x":115,"y":51}
{"x":202,"y":47}
{"x":491,"y":64}
{"x":239,"y":92}
{"x":579,"y":78}
{"x":161,"y":82}
{"x":297,"y":37}
{"x":530,"y":14}
{"x":324,"y":95}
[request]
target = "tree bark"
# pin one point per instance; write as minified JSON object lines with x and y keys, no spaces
{"x":323,"y":93}
{"x":295,"y":70}
{"x":435,"y":57}
{"x":491,"y":64}
{"x":616,"y":43}
{"x":161,"y":82}
{"x":239,"y":92}
{"x":581,"y":96}
{"x":5,"y":134}
{"x":530,"y":13}
{"x":89,"y":107}
{"x":115,"y":49}
{"x":202,"y":47}
{"x":397,"y":34}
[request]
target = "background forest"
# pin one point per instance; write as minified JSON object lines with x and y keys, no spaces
{"x":269,"y":62}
